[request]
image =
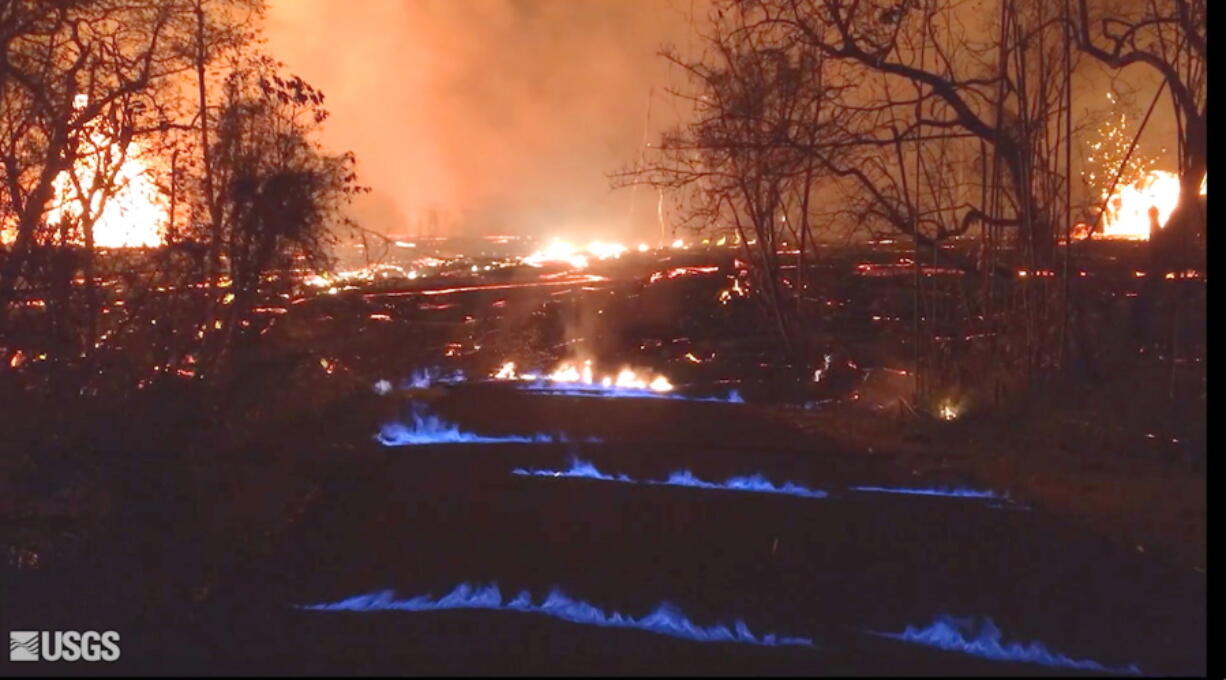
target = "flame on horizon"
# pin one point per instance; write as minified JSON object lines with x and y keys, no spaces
{"x":563,"y":252}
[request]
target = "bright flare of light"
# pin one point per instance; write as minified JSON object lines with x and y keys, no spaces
{"x":948,"y":411}
{"x":571,"y":373}
{"x":1127,"y":212}
{"x":559,"y":251}
{"x":135,"y":213}
{"x":660,"y":384}
{"x":604,"y":251}
{"x":506,"y":371}
{"x":582,"y":380}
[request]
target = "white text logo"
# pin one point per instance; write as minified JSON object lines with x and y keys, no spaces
{"x":63,"y":645}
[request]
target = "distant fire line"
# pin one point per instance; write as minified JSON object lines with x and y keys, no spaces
{"x":576,"y":280}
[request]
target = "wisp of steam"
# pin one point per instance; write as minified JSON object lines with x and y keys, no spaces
{"x":664,"y":620}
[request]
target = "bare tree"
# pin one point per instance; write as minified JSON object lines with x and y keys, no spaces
{"x":279,"y":193}
{"x":65,"y":65}
{"x":743,"y":162}
{"x":86,"y":87}
{"x":1169,"y":37}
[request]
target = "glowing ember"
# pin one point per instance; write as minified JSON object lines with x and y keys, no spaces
{"x":665,"y":620}
{"x":676,"y":272}
{"x":984,"y":640}
{"x":353,"y":278}
{"x":736,"y":291}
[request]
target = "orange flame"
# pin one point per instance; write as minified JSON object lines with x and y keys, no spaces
{"x":570,"y":373}
{"x":1127,"y":214}
{"x":559,"y":251}
{"x":134,"y":214}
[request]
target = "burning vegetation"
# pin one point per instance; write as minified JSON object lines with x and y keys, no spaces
{"x":872,"y":243}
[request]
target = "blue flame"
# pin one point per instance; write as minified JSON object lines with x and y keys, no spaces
{"x":578,"y":468}
{"x":734,"y":397}
{"x":428,"y":428}
{"x":430,"y":376}
{"x":752,"y":483}
{"x":959,"y":492}
{"x":984,"y":640}
{"x":665,"y":620}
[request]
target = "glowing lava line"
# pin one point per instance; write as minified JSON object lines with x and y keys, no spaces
{"x":751,"y":483}
{"x":580,"y":380}
{"x":960,"y":492}
{"x":984,"y":641}
{"x":664,"y":620}
{"x":428,"y":428}
{"x":543,"y":387}
{"x":571,"y":281}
